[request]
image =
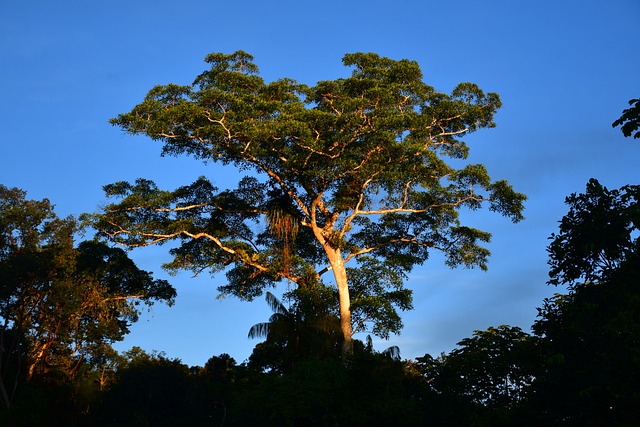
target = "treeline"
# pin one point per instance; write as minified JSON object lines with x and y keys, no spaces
{"x":62,"y":305}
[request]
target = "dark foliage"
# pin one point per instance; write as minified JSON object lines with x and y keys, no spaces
{"x":630,"y":119}
{"x":591,"y":335}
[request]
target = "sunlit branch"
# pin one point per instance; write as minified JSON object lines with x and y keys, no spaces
{"x":452,"y":133}
{"x":175,"y":209}
{"x":459,"y":202}
{"x":324,"y":270}
{"x":154,"y":238}
{"x":347,"y":222}
{"x":318,"y":152}
{"x":219,"y":122}
{"x":412,"y":241}
{"x":185,"y":208}
{"x":123,"y":298}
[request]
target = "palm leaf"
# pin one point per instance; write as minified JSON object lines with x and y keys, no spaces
{"x":259,"y":330}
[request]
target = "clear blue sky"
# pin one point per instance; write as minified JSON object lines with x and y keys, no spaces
{"x":564,"y":69}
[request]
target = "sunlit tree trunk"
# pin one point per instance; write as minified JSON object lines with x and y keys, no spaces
{"x":35,"y":360}
{"x":340,"y":274}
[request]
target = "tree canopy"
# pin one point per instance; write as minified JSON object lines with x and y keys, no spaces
{"x":596,"y":236}
{"x":590,"y":336}
{"x":348,"y":176}
{"x":61,"y":305}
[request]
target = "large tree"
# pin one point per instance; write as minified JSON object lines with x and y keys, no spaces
{"x":347,"y":176}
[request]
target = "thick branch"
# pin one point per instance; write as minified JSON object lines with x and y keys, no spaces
{"x":402,"y":209}
{"x":158,"y":237}
{"x":413,"y":241}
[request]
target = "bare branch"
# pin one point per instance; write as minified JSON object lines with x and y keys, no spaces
{"x":412,"y":241}
{"x":155,"y":238}
{"x":402,"y":209}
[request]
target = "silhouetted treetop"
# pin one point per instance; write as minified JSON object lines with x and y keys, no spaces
{"x":629,"y":122}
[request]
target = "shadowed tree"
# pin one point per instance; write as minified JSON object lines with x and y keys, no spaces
{"x":596,"y":236}
{"x":220,"y":381}
{"x":61,"y":305}
{"x":493,"y":368}
{"x":150,"y":390}
{"x":351,"y":172}
{"x":307,"y":328}
{"x":486,"y":380}
{"x":591,"y":335}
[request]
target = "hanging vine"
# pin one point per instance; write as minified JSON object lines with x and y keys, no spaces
{"x":284,"y":226}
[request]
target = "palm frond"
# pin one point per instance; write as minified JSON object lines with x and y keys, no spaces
{"x":259,"y":330}
{"x":392,"y":352}
{"x":275,"y":304}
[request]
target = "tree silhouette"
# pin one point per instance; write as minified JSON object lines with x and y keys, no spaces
{"x":61,"y":305}
{"x":596,"y":236}
{"x":590,"y":335}
{"x":629,"y":122}
{"x":150,"y":389}
{"x":307,"y":329}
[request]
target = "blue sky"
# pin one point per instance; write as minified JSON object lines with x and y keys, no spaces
{"x":564,"y":70}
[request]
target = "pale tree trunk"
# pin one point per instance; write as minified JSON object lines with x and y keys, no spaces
{"x":340,"y":274}
{"x":39,"y":354}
